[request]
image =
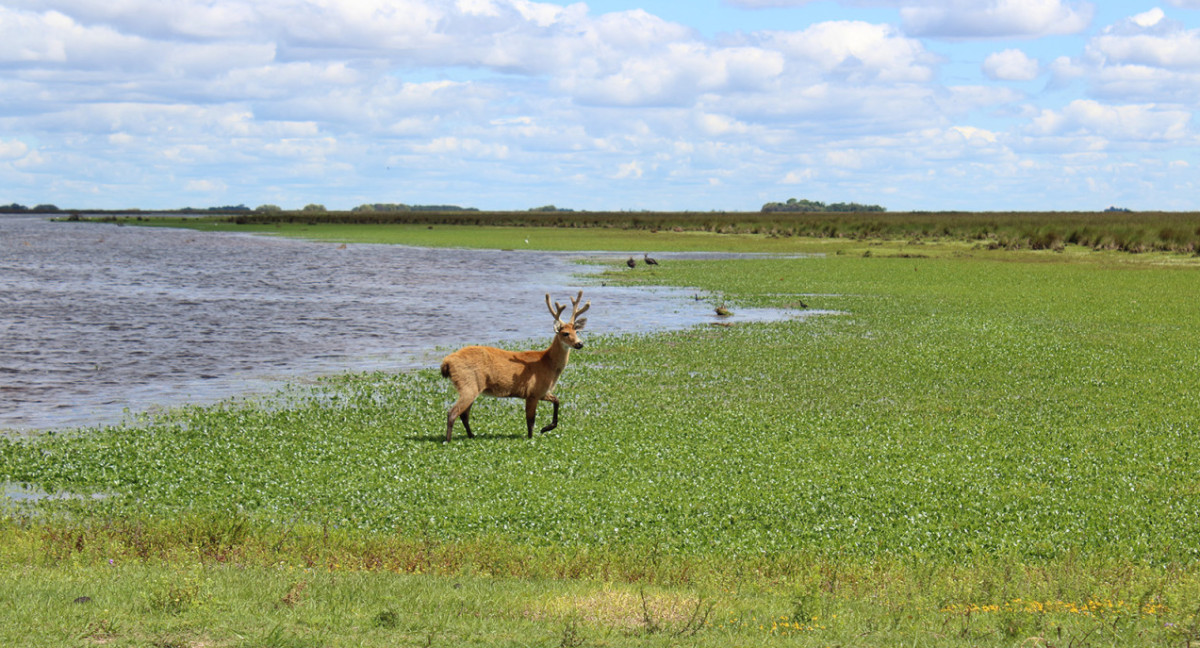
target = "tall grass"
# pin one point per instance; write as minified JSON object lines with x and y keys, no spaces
{"x":1127,"y":232}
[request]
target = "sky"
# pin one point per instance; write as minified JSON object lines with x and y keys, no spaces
{"x":698,"y":105}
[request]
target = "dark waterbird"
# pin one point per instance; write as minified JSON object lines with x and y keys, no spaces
{"x":631,"y":263}
{"x":649,"y":261}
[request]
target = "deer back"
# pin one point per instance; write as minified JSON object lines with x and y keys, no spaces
{"x":497,"y":372}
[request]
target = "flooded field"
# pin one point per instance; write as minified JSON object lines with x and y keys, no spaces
{"x":98,"y":319}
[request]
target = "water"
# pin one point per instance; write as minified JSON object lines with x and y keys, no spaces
{"x":97,"y":319}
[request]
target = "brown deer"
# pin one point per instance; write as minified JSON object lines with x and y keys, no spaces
{"x":531,"y":375}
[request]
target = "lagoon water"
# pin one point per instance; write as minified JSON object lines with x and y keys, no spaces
{"x":99,"y":320}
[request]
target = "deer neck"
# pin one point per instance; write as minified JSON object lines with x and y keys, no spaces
{"x":557,"y":355}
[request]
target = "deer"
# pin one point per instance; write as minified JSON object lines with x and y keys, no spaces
{"x":530,"y":375}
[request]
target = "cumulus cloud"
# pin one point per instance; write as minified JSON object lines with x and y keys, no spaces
{"x":1011,"y":65}
{"x":1146,"y":57}
{"x":798,"y":176}
{"x":996,"y":18}
{"x":854,"y":50}
{"x":487,"y":98}
{"x":629,"y":170}
{"x":12,"y":149}
{"x":1137,"y":123}
{"x":676,"y":75}
{"x":1148,"y":39}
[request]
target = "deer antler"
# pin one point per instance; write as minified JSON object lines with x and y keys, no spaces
{"x":576,"y":311}
{"x":557,"y":309}
{"x":556,"y":313}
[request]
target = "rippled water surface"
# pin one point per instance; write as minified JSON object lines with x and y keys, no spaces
{"x":96,"y":319}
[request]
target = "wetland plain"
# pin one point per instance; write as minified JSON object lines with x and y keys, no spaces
{"x":990,"y":447}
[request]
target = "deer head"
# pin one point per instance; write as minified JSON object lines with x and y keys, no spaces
{"x":568,"y":331}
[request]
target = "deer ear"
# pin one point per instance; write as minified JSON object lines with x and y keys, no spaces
{"x":557,"y":325}
{"x":580,"y":323}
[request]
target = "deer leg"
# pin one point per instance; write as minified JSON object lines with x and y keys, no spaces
{"x":465,"y":418}
{"x":530,"y":414}
{"x":554,"y":421}
{"x":461,"y":407}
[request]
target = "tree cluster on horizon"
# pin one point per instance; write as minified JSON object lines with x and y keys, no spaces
{"x":17,"y":208}
{"x":793,"y":205}
{"x":401,"y":207}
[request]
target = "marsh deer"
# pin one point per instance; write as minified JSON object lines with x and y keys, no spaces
{"x":531,"y":375}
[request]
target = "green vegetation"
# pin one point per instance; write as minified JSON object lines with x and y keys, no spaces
{"x":1177,"y":232}
{"x":985,"y":447}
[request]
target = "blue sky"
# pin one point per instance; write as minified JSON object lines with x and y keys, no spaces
{"x":611,"y":104}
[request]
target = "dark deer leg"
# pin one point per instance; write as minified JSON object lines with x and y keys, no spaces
{"x":554,"y":421}
{"x":530,"y":415}
{"x":465,"y":418}
{"x":460,"y":408}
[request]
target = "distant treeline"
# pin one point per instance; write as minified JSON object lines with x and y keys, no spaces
{"x":1130,"y":232}
{"x":17,"y":208}
{"x":401,"y":207}
{"x":810,"y":206}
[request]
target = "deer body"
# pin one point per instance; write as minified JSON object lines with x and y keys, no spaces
{"x":529,"y":375}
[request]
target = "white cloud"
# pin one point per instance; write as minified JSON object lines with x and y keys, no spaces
{"x":846,"y":159}
{"x":1133,"y":123}
{"x":470,"y":147}
{"x":676,"y":75}
{"x":1142,"y":41}
{"x":1149,"y":18}
{"x":632,"y":169}
{"x":53,"y":37}
{"x":274,"y":80}
{"x":854,"y":50}
{"x":315,"y":148}
{"x":205,"y":186}
{"x":799,"y":177}
{"x":1145,"y":58}
{"x":498,"y":99}
{"x":996,"y":18}
{"x":12,"y":149}
{"x":974,"y":136}
{"x":717,"y":125}
{"x":1011,"y":65}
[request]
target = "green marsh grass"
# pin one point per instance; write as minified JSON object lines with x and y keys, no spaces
{"x":1139,"y":232}
{"x":984,"y":448}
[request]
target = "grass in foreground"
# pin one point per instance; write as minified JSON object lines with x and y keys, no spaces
{"x":103,"y":593}
{"x":982,"y":451}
